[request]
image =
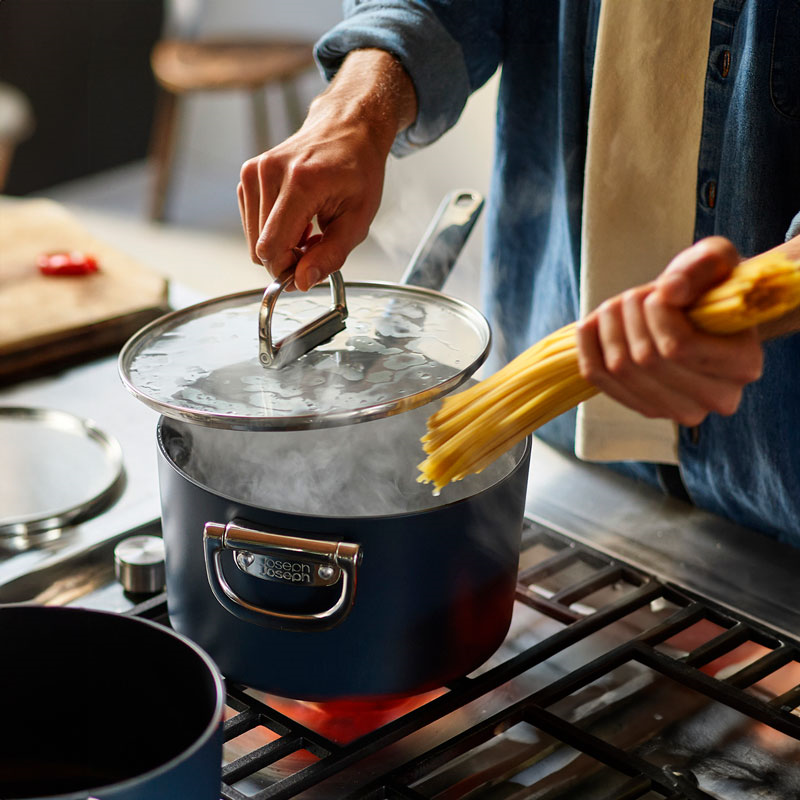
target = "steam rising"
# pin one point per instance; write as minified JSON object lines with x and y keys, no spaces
{"x":367,"y":469}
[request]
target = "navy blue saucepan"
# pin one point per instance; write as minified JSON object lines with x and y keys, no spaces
{"x":98,"y":705}
{"x":301,"y":552}
{"x":377,"y":589}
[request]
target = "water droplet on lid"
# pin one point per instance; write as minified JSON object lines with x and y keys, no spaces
{"x":403,"y":360}
{"x":365,"y":344}
{"x":382,"y":376}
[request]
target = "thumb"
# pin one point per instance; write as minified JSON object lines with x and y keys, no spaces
{"x":323,"y":255}
{"x":695,"y":270}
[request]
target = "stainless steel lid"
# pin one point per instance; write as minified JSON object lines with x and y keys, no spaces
{"x":328,"y":357}
{"x":56,"y":470}
{"x":401,"y":347}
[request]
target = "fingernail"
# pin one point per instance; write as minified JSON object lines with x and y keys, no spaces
{"x":313,"y":276}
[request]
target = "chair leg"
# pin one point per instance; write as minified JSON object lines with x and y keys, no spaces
{"x":258,"y":100}
{"x":6,"y":154}
{"x":162,"y":151}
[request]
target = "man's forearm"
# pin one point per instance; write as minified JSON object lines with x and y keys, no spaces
{"x":371,"y":85}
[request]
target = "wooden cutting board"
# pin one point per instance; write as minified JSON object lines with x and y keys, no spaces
{"x":50,"y":321}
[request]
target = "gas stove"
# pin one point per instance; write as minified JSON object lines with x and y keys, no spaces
{"x":654,"y":650}
{"x":610,"y":684}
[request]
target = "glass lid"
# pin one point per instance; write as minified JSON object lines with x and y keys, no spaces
{"x":57,"y":470}
{"x":215,"y":364}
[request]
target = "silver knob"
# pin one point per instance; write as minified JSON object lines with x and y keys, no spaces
{"x":139,"y":564}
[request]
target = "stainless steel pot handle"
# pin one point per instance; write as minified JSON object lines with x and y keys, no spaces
{"x":435,"y":256}
{"x":285,"y":559}
{"x":307,"y":337}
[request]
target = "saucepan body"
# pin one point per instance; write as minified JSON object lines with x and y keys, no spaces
{"x":311,"y":564}
{"x":103,"y":706}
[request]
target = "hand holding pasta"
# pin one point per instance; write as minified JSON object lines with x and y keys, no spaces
{"x":473,"y":427}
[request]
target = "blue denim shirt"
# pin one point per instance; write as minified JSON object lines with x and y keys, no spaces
{"x":745,"y":467}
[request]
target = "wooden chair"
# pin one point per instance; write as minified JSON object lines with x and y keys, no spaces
{"x":183,"y":66}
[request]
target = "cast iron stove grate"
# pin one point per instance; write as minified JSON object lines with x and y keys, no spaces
{"x":613,"y":726}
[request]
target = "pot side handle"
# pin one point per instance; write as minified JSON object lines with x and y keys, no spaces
{"x":324,"y":563}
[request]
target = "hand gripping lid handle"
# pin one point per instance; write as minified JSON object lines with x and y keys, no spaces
{"x":307,"y":337}
{"x":430,"y":265}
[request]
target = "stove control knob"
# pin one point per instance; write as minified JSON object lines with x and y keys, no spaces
{"x":139,"y":564}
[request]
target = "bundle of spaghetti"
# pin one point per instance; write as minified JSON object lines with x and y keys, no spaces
{"x":758,"y":290}
{"x":474,"y":427}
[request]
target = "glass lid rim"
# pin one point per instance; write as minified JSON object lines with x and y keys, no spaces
{"x":214,"y":419}
{"x":68,"y":514}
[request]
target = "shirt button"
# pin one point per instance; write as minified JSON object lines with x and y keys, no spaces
{"x":711,"y":194}
{"x":694,"y":434}
{"x":725,"y":63}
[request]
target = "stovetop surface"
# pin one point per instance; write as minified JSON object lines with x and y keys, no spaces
{"x":610,"y":685}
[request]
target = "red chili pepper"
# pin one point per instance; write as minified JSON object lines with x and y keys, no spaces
{"x":74,"y":263}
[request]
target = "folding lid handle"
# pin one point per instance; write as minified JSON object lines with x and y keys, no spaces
{"x":307,"y":337}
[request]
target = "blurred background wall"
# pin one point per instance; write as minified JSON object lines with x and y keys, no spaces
{"x":84,"y":65}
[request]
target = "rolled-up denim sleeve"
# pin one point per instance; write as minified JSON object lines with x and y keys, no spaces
{"x":794,"y":227}
{"x":448,"y":47}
